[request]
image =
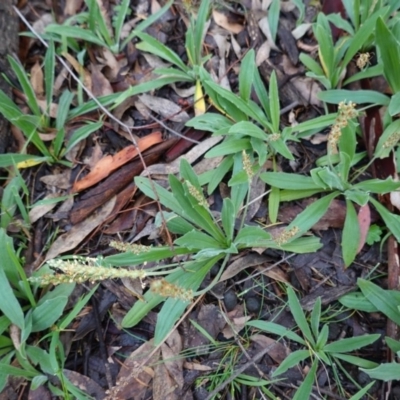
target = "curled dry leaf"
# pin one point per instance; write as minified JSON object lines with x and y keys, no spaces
{"x":37,"y":80}
{"x":80,"y":69}
{"x":222,"y":20}
{"x":72,"y":238}
{"x":72,"y":7}
{"x":100,"y":84}
{"x":110,"y":163}
{"x":51,"y":111}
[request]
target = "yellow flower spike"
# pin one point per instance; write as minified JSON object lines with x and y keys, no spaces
{"x":199,"y":102}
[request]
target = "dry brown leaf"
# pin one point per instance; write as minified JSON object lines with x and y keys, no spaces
{"x":237,"y":321}
{"x":191,"y":156}
{"x":163,"y":384}
{"x":52,"y":111}
{"x":37,"y":212}
{"x":100,"y":84}
{"x":197,"y":366}
{"x":78,"y":232}
{"x":257,"y":189}
{"x":86,"y":384}
{"x":278,"y":351}
{"x":249,"y":260}
{"x":222,"y":20}
{"x":275,"y":273}
{"x":168,"y":381}
{"x":37,"y":80}
{"x":110,"y":163}
{"x":166,"y":108}
{"x":87,"y":81}
{"x":134,"y":378}
{"x":72,"y":6}
{"x":47,"y":137}
{"x":60,"y":181}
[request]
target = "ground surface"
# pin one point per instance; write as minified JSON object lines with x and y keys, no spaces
{"x":211,"y":352}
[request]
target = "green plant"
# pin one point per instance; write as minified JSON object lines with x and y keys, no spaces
{"x":202,"y":242}
{"x":40,"y":121}
{"x":32,"y":321}
{"x":335,"y":57}
{"x":334,"y":179}
{"x":372,"y":298}
{"x":93,"y":26}
{"x":246,"y":125}
{"x":314,"y":340}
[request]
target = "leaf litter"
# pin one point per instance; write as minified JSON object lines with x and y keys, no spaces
{"x":106,"y":205}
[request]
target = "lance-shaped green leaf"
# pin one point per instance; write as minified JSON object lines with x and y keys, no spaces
{"x":311,"y":215}
{"x":246,"y":75}
{"x":228,"y":215}
{"x":304,"y":391}
{"x":274,"y":102}
{"x":381,"y":299}
{"x":350,"y":344}
{"x":299,"y":316}
{"x":378,"y":185}
{"x":385,"y":372}
{"x":276,"y":329}
{"x":246,"y":128}
{"x":195,"y":240}
{"x":251,"y":236}
{"x":154,"y":46}
{"x":283,"y":180}
{"x":351,"y":234}
{"x":389,"y":49}
{"x":392,"y":221}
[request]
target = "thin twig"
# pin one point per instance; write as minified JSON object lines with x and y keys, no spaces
{"x":172,"y":131}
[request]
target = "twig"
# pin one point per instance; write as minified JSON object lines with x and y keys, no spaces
{"x":172,"y":131}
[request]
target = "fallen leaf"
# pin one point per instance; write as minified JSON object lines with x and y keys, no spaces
{"x":100,"y":84}
{"x":222,"y":20}
{"x":191,"y":156}
{"x":110,"y":163}
{"x":364,"y":222}
{"x":166,"y":108}
{"x":80,"y":69}
{"x":37,"y":212}
{"x":72,"y":238}
{"x":278,"y":351}
{"x":86,"y":384}
{"x":249,"y":260}
{"x":37,"y":80}
{"x":134,"y":378}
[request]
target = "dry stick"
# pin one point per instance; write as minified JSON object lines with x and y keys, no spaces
{"x":172,"y":131}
